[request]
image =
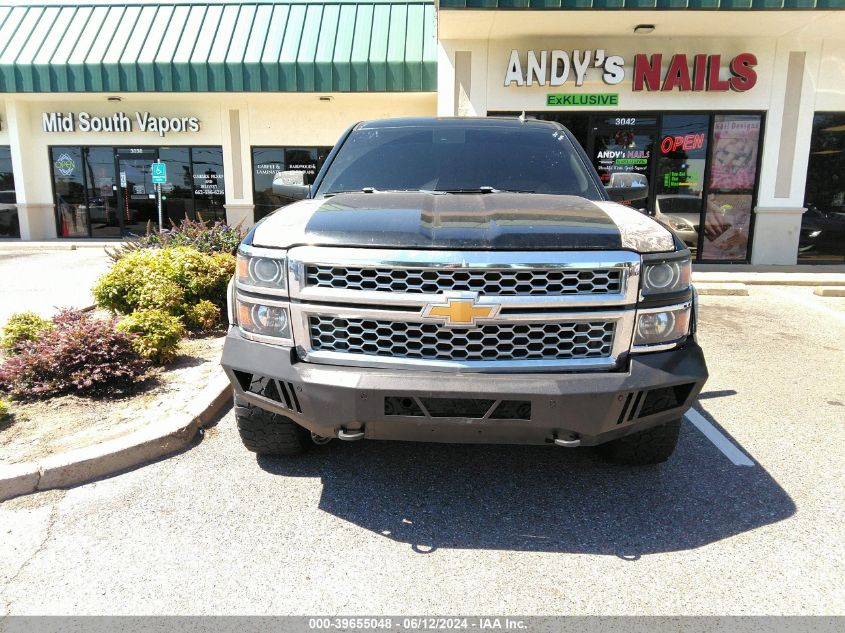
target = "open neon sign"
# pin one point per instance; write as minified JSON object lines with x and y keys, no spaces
{"x":687,"y":142}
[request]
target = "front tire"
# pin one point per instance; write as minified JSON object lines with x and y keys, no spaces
{"x":646,"y":448}
{"x":267,"y":433}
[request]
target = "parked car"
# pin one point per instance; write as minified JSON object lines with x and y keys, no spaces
{"x":822,"y":234}
{"x":682,"y":214}
{"x":9,"y":222}
{"x":462,"y":280}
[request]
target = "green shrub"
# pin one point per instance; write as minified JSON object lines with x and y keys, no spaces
{"x":203,"y":316}
{"x":80,"y":354}
{"x":217,"y":237}
{"x":172,"y":280}
{"x":22,"y":327}
{"x":4,"y":408}
{"x":156,"y":334}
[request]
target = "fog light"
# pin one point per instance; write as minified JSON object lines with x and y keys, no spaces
{"x":266,"y":322}
{"x":656,"y":326}
{"x":270,"y":318}
{"x":662,"y":327}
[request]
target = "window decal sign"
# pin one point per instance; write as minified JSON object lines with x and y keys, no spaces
{"x":65,"y":165}
{"x":598,"y":99}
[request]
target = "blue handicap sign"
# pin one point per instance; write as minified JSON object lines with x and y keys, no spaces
{"x":159,"y":173}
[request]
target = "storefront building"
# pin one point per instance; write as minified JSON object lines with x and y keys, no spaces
{"x":732,"y":111}
{"x":225,"y":94}
{"x":723,"y":107}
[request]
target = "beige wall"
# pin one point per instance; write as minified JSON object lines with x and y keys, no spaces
{"x":263,"y":119}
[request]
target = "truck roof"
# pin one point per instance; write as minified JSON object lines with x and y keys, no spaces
{"x":465,"y":122}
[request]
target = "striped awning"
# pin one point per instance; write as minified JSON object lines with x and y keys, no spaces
{"x":604,"y":5}
{"x":331,"y":46}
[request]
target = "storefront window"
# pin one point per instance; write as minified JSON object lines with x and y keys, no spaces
{"x":268,"y":162}
{"x":177,"y":193}
{"x":822,"y":237}
{"x":108,"y":192}
{"x":698,"y":165}
{"x":69,"y":185}
{"x":209,"y":183}
{"x":679,"y":184}
{"x":9,"y":225}
{"x":733,"y":176}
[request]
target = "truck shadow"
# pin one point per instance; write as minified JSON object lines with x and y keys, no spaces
{"x":543,"y":499}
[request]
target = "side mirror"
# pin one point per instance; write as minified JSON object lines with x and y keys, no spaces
{"x":291,"y":184}
{"x":628,"y":192}
{"x":627,"y":187}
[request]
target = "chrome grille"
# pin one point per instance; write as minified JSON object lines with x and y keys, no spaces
{"x":535,"y":282}
{"x":491,"y":342}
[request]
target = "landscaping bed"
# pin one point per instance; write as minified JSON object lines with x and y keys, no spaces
{"x":40,"y":428}
{"x":83,"y":378}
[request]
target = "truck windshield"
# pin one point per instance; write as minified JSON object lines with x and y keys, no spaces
{"x":459,"y":159}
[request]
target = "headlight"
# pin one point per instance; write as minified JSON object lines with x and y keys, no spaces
{"x":662,"y":327}
{"x":262,"y":270}
{"x":264,"y":320}
{"x":665,"y":277}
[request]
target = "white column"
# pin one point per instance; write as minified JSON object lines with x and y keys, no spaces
{"x":786,"y":148}
{"x":462,"y":90}
{"x":237,"y":164}
{"x":32,"y":175}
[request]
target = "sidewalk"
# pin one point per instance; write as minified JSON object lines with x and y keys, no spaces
{"x":7,"y":244}
{"x":822,"y":275}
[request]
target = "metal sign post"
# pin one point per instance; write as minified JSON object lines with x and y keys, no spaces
{"x":159,"y":172}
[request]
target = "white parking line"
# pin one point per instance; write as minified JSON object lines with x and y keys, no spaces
{"x":713,"y":434}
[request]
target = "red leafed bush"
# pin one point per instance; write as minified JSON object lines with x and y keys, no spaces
{"x":81,"y":354}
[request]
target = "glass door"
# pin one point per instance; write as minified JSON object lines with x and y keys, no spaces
{"x":136,"y":193}
{"x":621,"y":147}
{"x":101,"y":191}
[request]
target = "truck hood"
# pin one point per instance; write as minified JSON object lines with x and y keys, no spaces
{"x":493,"y":221}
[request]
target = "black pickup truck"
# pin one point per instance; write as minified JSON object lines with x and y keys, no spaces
{"x":462,"y":280}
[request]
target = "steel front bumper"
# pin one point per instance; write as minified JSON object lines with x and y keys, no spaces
{"x":593,"y":407}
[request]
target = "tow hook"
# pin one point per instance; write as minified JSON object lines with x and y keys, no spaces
{"x":350,"y":436}
{"x":319,"y":439}
{"x":573,"y":441}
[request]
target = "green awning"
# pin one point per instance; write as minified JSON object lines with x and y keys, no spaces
{"x":695,"y":5}
{"x":334,"y":46}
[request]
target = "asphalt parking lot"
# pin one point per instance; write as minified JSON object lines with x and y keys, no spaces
{"x":45,"y":280}
{"x":749,"y":524}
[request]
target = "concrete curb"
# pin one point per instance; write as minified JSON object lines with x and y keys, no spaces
{"x":723,"y":290}
{"x":156,"y":440}
{"x":829,"y":292}
{"x":770,"y":278}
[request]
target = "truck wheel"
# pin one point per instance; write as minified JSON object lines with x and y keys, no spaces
{"x":652,"y":446}
{"x":267,"y":433}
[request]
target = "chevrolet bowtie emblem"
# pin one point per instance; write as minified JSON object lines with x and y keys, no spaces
{"x":461,"y":311}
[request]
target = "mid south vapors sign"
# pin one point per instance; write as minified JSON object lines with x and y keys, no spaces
{"x":117,"y":122}
{"x":681,"y":72}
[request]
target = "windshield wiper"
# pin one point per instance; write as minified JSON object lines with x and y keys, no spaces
{"x":328,"y":194}
{"x":483,"y":189}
